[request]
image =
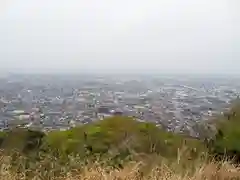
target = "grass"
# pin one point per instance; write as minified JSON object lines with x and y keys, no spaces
{"x":133,"y":170}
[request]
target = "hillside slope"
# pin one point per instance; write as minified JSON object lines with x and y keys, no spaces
{"x":124,"y":147}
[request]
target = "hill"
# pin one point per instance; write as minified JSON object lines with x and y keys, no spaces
{"x":121,"y":134}
{"x":116,"y":144}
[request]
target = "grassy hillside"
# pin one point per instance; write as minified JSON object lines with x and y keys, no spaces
{"x":120,"y":135}
{"x":120,"y":143}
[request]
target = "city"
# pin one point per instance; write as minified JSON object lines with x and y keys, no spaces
{"x":59,"y":102}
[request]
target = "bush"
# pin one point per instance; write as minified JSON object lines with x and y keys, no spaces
{"x":22,"y":140}
{"x":120,"y":134}
{"x":113,"y":140}
{"x":227,"y":139}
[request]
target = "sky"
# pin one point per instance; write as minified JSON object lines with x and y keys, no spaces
{"x":171,"y":36}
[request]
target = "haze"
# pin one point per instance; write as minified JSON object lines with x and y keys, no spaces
{"x":195,"y":36}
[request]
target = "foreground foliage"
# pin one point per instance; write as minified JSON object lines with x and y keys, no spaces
{"x":133,"y":170}
{"x":121,"y":147}
{"x":119,"y":136}
{"x":227,"y":140}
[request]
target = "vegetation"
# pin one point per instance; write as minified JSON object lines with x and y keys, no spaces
{"x":119,"y":134}
{"x":125,"y":148}
{"x":227,"y":139}
{"x":141,"y":170}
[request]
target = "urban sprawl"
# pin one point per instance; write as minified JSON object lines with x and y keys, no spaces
{"x":60,"y":102}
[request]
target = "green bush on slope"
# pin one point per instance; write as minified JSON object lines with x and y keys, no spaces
{"x":116,"y":139}
{"x":227,"y":139}
{"x":22,"y":140}
{"x":118,"y":133}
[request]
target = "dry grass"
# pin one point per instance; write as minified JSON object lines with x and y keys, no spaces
{"x":211,"y":171}
{"x":131,"y":171}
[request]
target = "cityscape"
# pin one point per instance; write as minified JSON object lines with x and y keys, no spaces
{"x":60,"y":102}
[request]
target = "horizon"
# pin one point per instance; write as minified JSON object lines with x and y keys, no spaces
{"x":124,"y":74}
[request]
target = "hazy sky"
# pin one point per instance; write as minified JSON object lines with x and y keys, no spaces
{"x":143,"y":35}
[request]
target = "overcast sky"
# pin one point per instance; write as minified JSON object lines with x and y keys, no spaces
{"x":122,"y":35}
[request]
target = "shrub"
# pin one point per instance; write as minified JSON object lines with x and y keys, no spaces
{"x":22,"y":140}
{"x":120,"y":134}
{"x":113,"y":140}
{"x":227,"y":139}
